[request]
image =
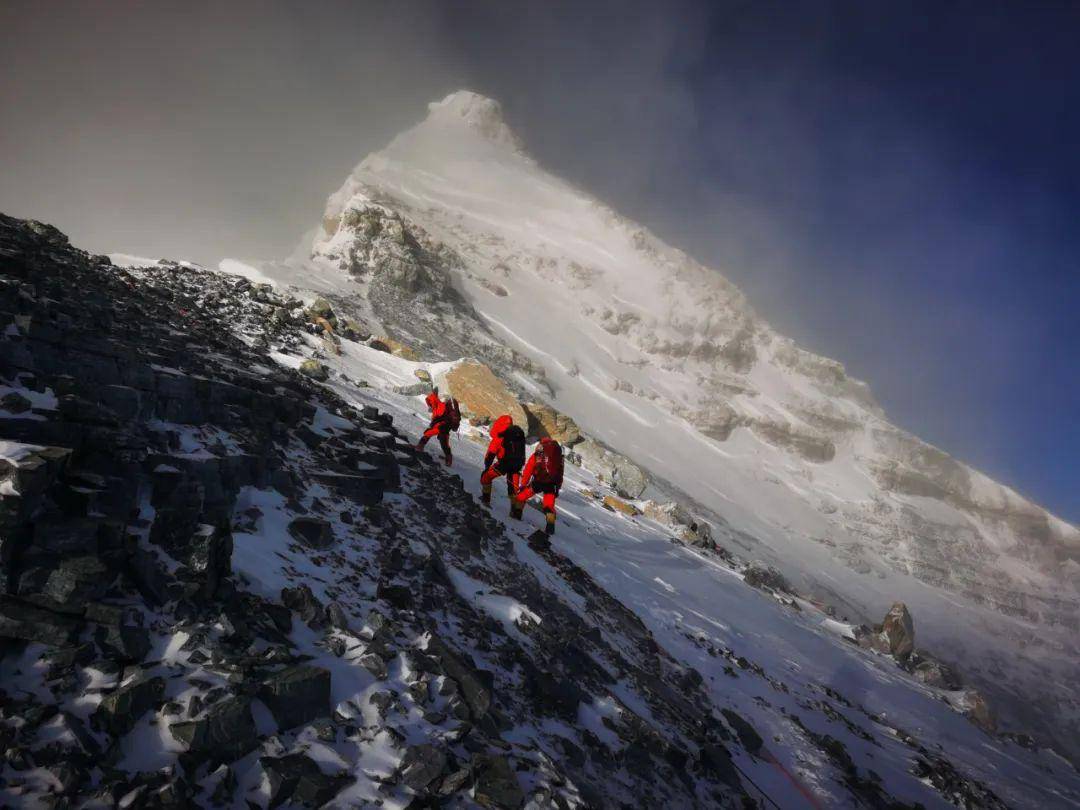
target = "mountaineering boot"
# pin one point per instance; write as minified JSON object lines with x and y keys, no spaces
{"x":550,"y":528}
{"x":449,"y":461}
{"x":485,"y":494}
{"x":516,"y":508}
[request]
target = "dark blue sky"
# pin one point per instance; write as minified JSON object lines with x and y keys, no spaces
{"x":941,"y":223}
{"x":895,"y":185}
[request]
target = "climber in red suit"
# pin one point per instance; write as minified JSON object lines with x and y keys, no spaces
{"x":542,"y":474}
{"x":505,"y":456}
{"x":445,"y":416}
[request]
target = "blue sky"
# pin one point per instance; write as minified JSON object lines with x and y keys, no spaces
{"x":895,"y":185}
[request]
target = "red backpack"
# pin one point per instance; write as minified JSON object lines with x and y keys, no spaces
{"x":549,"y":467}
{"x":453,"y":414}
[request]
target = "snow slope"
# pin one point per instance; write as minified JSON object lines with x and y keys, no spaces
{"x":787,"y":670}
{"x":454,"y":240}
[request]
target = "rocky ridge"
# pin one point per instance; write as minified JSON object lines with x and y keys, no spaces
{"x":156,"y":440}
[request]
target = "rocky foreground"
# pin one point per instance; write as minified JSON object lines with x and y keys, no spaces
{"x":136,"y":424}
{"x":225,"y":585}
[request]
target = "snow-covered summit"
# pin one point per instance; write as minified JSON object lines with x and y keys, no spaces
{"x":479,"y":113}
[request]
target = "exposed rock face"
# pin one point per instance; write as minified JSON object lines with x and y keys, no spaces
{"x":899,"y":628}
{"x":481,"y":393}
{"x":544,"y":420}
{"x":809,"y":445}
{"x":717,"y":421}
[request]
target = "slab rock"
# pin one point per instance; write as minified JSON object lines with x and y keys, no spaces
{"x":297,"y":780}
{"x":297,"y":695}
{"x":227,"y":731}
{"x":482,"y":394}
{"x":618,"y":505}
{"x":119,"y":711}
{"x":21,"y":620}
{"x":312,"y":532}
{"x":422,"y":765}
{"x":394,"y":347}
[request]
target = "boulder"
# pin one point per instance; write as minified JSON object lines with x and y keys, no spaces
{"x":353,"y":330}
{"x":618,"y":505}
{"x":496,"y":784}
{"x":687,"y":527}
{"x":14,"y":402}
{"x":227,"y":731}
{"x":209,"y":557}
{"x":422,"y":765}
{"x":301,"y":600}
{"x":618,"y":472}
{"x":977,"y":710}
{"x":119,"y":711}
{"x":413,"y":390}
{"x":314,"y":533}
{"x":21,"y":620}
{"x":746,"y":733}
{"x":297,"y":780}
{"x":935,"y":673}
{"x":77,"y":580}
{"x":765,"y":577}
{"x":321,"y":308}
{"x":482,"y":394}
{"x":314,"y":369}
{"x":546,"y":421}
{"x":394,"y":347}
{"x":899,"y":629}
{"x":475,"y":693}
{"x":716,"y":422}
{"x":297,"y":695}
{"x":422,"y":374}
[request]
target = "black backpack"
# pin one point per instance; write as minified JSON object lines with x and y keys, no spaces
{"x":513,"y":441}
{"x":453,"y":414}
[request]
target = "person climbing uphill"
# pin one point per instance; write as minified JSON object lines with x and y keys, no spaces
{"x":445,"y":417}
{"x":543,"y":474}
{"x":505,"y":456}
